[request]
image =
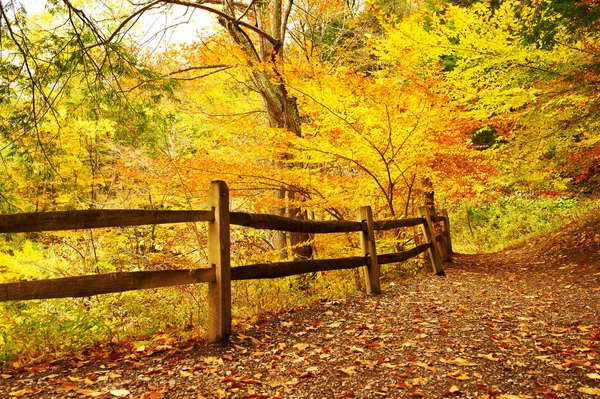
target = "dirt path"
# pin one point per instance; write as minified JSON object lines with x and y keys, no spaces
{"x":512,"y":325}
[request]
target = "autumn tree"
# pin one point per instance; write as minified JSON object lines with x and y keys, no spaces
{"x":524,"y":72}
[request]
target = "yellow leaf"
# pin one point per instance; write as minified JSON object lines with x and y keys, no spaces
{"x":589,"y":391}
{"x":419,"y":381}
{"x":489,"y":357}
{"x":349,"y":370}
{"x":66,"y":388}
{"x":558,"y":387}
{"x":458,"y":375}
{"x":301,"y":347}
{"x":89,"y":392}
{"x":18,"y":394}
{"x":120,"y":393}
{"x":459,"y":361}
{"x":88,"y":382}
{"x":594,"y":376}
{"x":454,"y":389}
{"x":185,"y":373}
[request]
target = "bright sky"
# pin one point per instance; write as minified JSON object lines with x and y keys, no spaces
{"x":184,"y":24}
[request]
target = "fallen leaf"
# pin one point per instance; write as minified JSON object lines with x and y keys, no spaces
{"x":66,"y":387}
{"x":185,"y":373}
{"x":458,"y":375}
{"x":459,"y":361}
{"x":558,"y":387}
{"x":419,"y":381}
{"x":153,"y":395}
{"x":89,"y":392}
{"x":301,"y":347}
{"x":120,"y":393}
{"x":18,"y":394}
{"x":488,"y":357}
{"x":354,"y":349}
{"x":403,"y":385}
{"x":426,"y":366}
{"x":349,"y":370}
{"x":451,"y":391}
{"x":594,"y":376}
{"x":589,"y":390}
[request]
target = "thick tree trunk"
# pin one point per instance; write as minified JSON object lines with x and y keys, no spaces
{"x":282,"y":110}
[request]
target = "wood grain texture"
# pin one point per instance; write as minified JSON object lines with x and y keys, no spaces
{"x":367,"y":243}
{"x":394,"y":224}
{"x":95,"y":284}
{"x":219,"y":291}
{"x":282,"y":223}
{"x":433,"y":251}
{"x":402,"y":256}
{"x":91,"y":219}
{"x":284,"y":269}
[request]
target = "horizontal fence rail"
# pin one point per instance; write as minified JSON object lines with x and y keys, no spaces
{"x":93,"y":219}
{"x":436,"y":231}
{"x":106,"y":218}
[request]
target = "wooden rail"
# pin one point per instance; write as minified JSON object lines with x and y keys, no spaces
{"x":219,"y":274}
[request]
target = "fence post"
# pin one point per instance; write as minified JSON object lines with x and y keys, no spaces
{"x":367,"y":242}
{"x":434,"y":251}
{"x":219,"y":291}
{"x":446,"y":224}
{"x":442,"y":244}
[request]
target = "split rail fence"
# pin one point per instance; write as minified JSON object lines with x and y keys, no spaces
{"x":436,"y":233}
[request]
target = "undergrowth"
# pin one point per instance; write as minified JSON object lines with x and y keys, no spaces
{"x":42,"y":330}
{"x":513,"y":220}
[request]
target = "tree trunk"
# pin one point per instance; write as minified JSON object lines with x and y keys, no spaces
{"x":283,"y":113}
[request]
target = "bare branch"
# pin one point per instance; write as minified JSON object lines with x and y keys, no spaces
{"x":225,"y":16}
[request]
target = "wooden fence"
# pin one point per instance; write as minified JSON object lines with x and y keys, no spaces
{"x":436,"y":232}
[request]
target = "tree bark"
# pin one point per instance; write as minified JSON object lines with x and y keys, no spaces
{"x":283,"y":113}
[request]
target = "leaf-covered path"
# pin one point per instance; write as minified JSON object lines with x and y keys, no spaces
{"x":520,"y":324}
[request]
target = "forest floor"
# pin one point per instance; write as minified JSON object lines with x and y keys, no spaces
{"x":523,"y":323}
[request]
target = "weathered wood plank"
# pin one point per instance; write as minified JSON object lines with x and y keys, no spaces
{"x":90,"y":219}
{"x":219,"y":291}
{"x":439,"y":237}
{"x":95,"y":284}
{"x":402,"y":256}
{"x":394,"y":224}
{"x":281,"y":223}
{"x":446,"y":231}
{"x":284,"y":269}
{"x":433,"y":251}
{"x":367,"y":243}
